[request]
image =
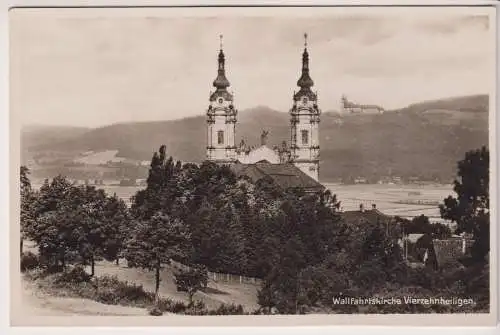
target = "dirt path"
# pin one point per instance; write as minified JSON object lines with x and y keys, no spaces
{"x":36,"y":303}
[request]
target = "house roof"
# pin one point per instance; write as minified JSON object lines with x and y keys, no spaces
{"x":450,"y":249}
{"x":285,"y":175}
{"x":413,"y":238}
{"x":371,"y":216}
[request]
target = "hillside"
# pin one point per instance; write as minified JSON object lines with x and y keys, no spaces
{"x":473,"y":103}
{"x":424,"y":139}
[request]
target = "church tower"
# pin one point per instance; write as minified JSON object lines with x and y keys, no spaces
{"x":221,"y":118}
{"x":304,"y":122}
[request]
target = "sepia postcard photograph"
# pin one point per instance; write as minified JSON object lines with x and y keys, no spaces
{"x":252,"y":165}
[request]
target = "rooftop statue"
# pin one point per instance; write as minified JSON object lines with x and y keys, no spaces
{"x":263,"y":137}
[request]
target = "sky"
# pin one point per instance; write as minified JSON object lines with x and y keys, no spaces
{"x":98,"y":69}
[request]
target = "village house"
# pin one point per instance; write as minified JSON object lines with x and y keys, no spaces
{"x":423,"y":250}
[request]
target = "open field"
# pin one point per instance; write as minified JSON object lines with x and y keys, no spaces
{"x":402,"y":200}
{"x":123,"y":192}
{"x":102,"y":157}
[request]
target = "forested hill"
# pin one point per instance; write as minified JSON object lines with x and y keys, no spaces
{"x":424,"y":140}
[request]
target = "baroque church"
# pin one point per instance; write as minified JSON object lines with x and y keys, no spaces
{"x":289,"y":164}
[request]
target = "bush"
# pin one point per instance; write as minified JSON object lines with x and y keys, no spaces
{"x":36,"y":273}
{"x":155,"y":311}
{"x":165,"y":305}
{"x":29,"y":261}
{"x":74,"y":276}
{"x":107,"y":297}
{"x":116,"y":292}
{"x":196,"y":308}
{"x":228,"y":309}
{"x":178,"y":307}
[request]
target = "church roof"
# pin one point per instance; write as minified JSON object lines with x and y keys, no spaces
{"x":285,"y":175}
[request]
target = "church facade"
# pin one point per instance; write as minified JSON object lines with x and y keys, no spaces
{"x":302,"y":150}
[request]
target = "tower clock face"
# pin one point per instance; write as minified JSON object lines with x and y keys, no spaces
{"x":220,"y":100}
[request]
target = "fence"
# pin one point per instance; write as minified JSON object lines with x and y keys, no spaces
{"x":222,"y":277}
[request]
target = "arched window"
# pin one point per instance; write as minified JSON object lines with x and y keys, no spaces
{"x":220,"y":137}
{"x":305,"y":136}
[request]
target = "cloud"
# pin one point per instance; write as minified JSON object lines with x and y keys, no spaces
{"x":99,"y":70}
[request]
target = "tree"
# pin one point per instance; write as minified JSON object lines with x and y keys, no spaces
{"x":191,"y":280}
{"x":441,"y":231}
{"x":28,"y":197}
{"x":470,"y":208}
{"x":115,"y":227}
{"x":53,"y":221}
{"x":154,"y":242}
{"x":89,"y":229}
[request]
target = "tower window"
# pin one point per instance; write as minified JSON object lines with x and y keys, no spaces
{"x":220,"y":137}
{"x":305,"y":136}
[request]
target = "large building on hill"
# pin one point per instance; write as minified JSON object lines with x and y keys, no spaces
{"x":302,"y":150}
{"x":349,"y":107}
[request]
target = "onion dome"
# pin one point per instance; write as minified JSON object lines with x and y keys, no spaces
{"x":221,"y":83}
{"x":305,"y":81}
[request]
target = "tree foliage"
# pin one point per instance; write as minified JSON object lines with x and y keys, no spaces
{"x":191,"y":280}
{"x":470,"y":208}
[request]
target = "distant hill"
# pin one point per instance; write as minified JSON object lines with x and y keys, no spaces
{"x":424,"y":139}
{"x":37,"y":135}
{"x":34,"y":136}
{"x":472,"y":103}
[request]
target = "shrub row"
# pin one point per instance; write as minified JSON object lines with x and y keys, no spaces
{"x":112,"y":291}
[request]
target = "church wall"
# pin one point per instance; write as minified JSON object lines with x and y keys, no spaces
{"x":219,"y":152}
{"x":311,"y":169}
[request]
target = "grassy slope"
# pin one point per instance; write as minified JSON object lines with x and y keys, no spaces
{"x":244,"y":294}
{"x":217,"y":293}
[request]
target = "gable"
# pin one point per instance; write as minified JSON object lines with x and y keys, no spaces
{"x":261,"y":154}
{"x":450,"y":250}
